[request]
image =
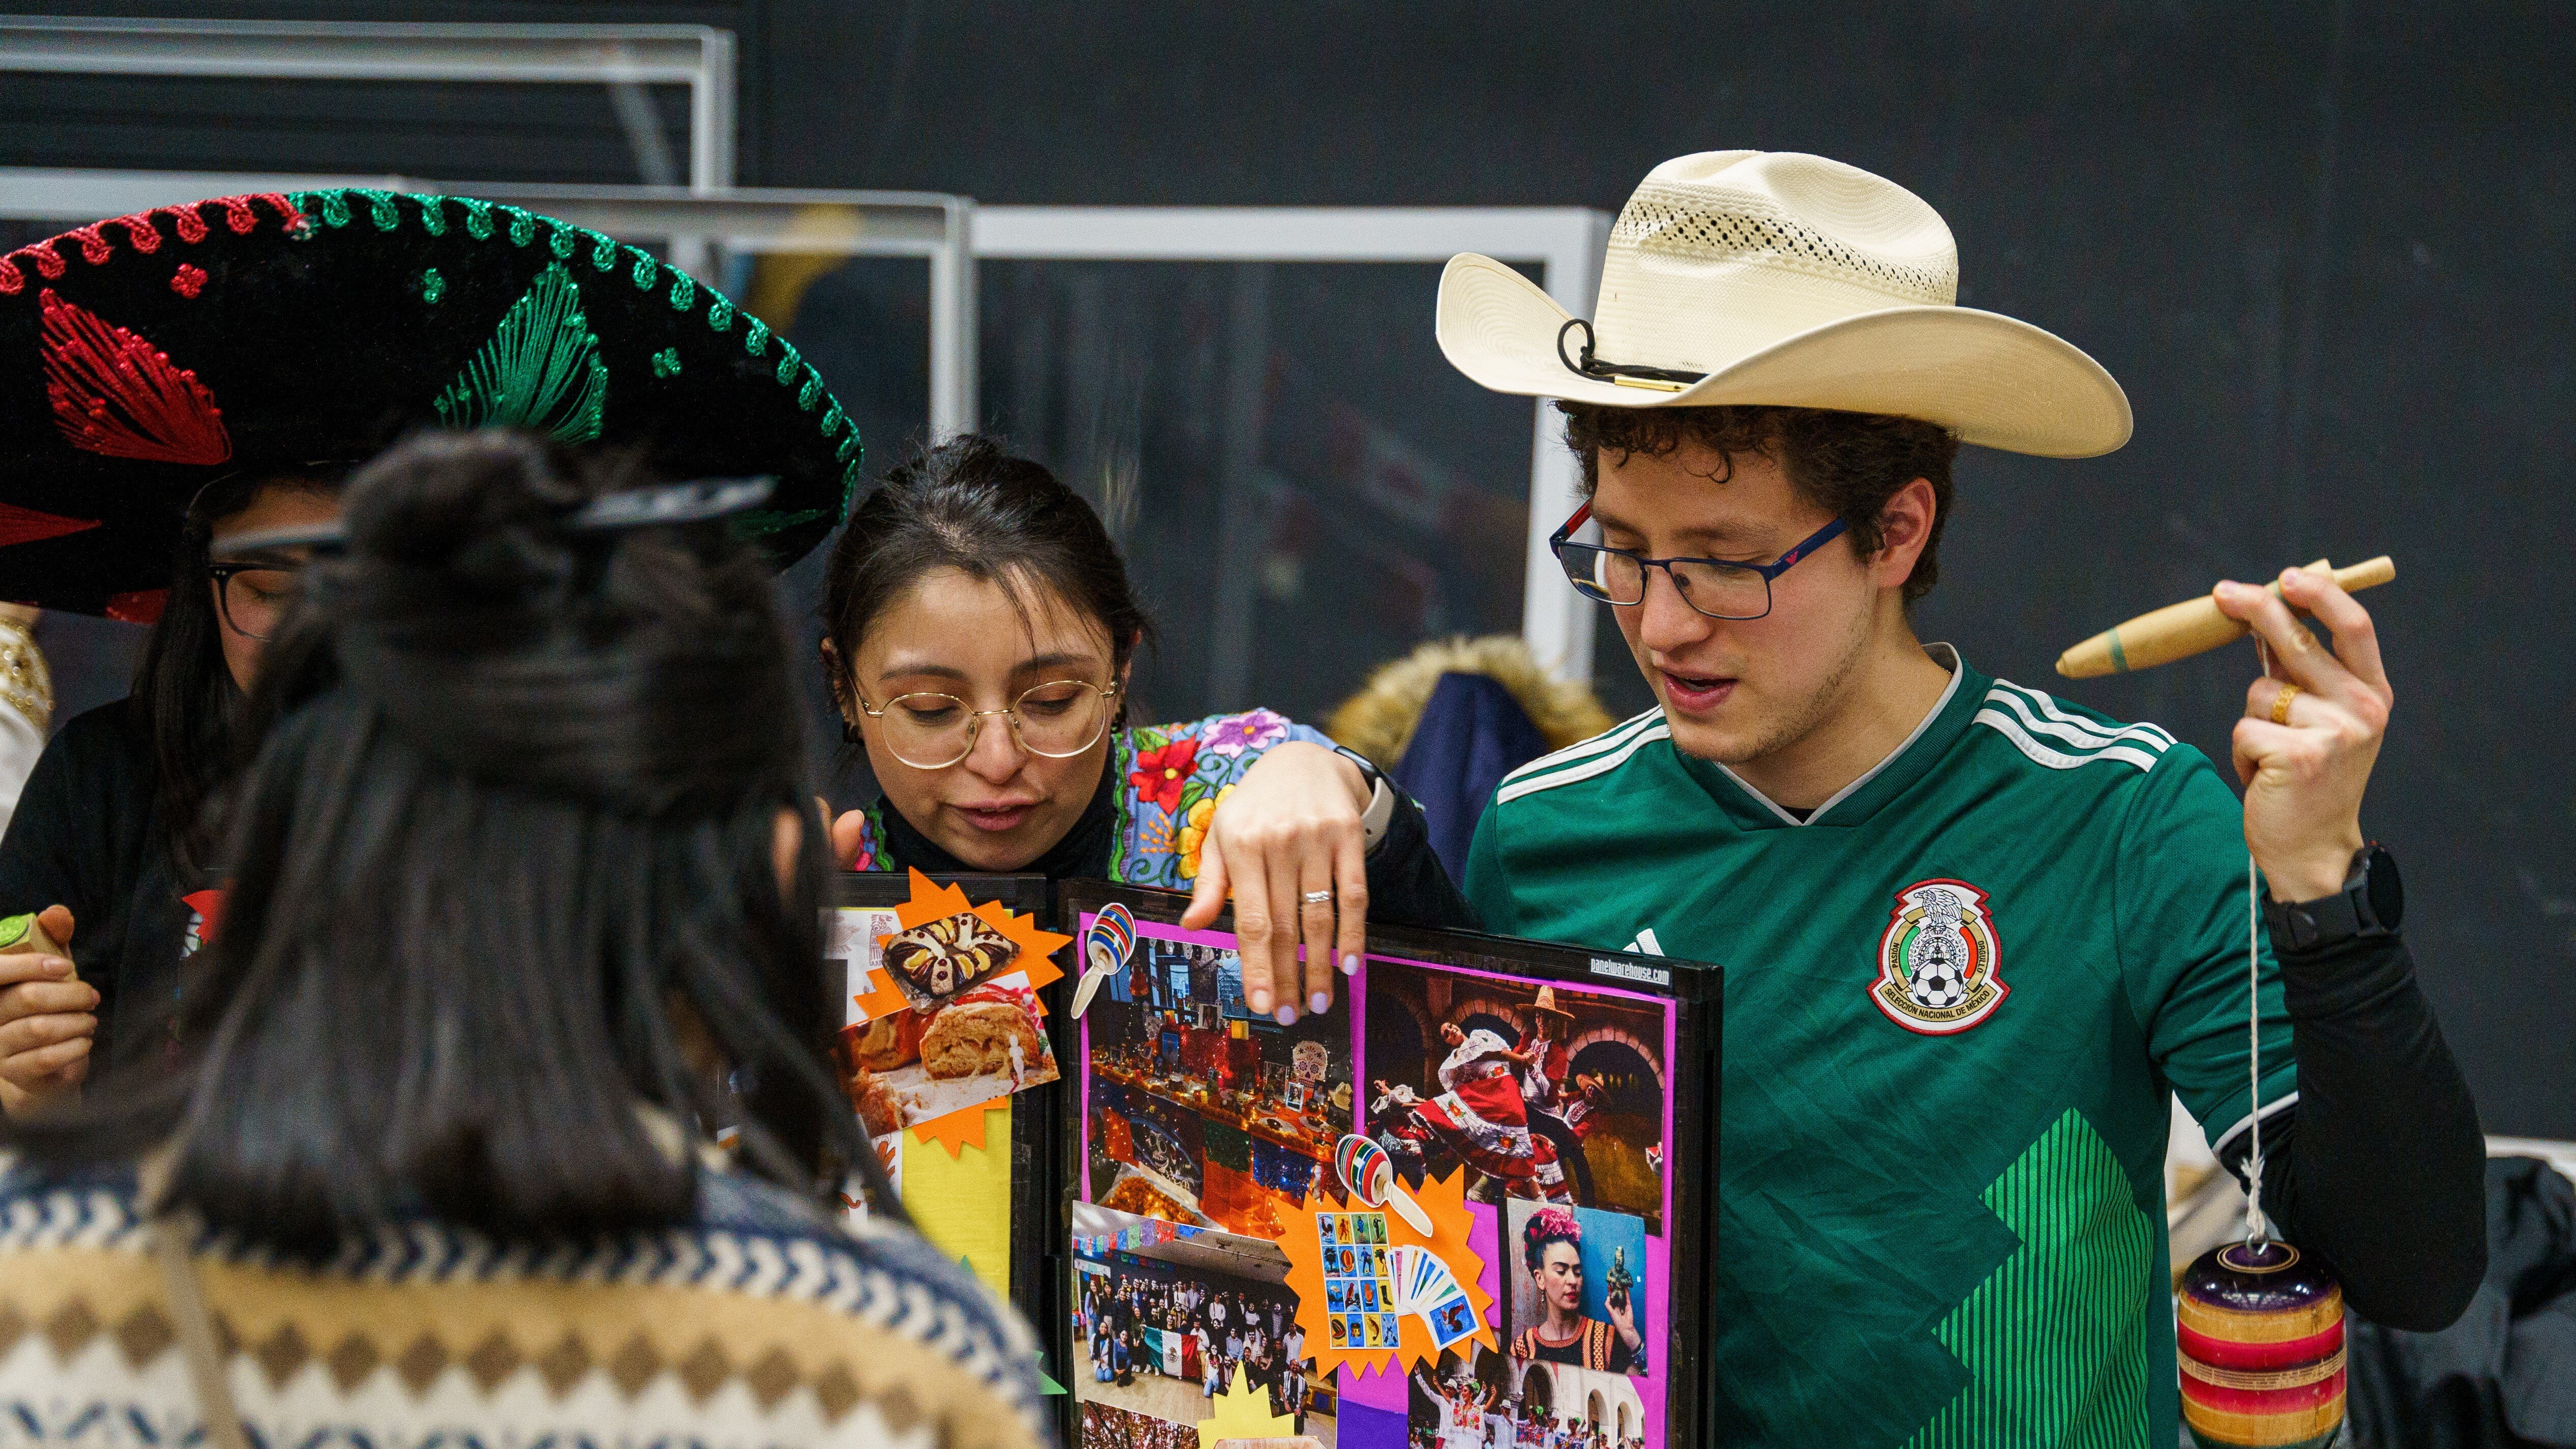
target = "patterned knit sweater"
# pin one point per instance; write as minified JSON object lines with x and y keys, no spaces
{"x":760,"y":1324}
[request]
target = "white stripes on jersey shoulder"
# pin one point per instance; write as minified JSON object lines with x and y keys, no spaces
{"x":2032,"y":721}
{"x":1598,"y":755}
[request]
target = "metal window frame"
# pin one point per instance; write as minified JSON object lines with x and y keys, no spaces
{"x":700,"y":57}
{"x":1565,"y":242}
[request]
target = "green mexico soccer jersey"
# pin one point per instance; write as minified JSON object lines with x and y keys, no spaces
{"x":1957,"y":996}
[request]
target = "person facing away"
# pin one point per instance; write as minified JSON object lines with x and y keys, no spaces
{"x":521,"y":877}
{"x":1976,"y":938}
{"x":979,"y":636}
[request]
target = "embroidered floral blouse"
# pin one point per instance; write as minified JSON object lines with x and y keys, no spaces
{"x":1164,"y":783}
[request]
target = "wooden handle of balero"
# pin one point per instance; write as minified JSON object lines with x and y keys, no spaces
{"x":2194,"y":626}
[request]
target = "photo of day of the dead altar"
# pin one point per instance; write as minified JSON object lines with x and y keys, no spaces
{"x":1200,"y":1111}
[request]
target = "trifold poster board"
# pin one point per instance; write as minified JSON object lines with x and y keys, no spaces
{"x":951,"y":1047}
{"x":1241,"y":1267}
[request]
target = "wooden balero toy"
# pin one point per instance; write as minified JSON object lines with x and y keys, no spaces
{"x":2258,"y":1328}
{"x":2259,"y":1331}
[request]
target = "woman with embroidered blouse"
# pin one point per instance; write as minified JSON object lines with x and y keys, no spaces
{"x":522,"y":876}
{"x":978,"y":636}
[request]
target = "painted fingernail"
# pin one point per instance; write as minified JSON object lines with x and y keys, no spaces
{"x":1320,"y":1002}
{"x":1287,"y":1016}
{"x":1350,"y":965}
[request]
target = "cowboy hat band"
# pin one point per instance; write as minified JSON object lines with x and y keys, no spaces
{"x":1749,"y":277}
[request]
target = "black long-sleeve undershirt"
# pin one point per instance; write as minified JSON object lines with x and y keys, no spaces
{"x":2379,"y":1168}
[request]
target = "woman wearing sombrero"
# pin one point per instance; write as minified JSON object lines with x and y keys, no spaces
{"x":175,"y":380}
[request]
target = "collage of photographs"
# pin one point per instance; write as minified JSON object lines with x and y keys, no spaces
{"x":1552,"y":1098}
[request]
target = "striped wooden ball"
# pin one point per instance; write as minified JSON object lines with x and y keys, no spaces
{"x":2259,"y":1332}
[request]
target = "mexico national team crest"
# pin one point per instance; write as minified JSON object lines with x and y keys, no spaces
{"x":1940,"y":964}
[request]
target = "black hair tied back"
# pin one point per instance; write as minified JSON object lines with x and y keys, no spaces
{"x":640,"y":670}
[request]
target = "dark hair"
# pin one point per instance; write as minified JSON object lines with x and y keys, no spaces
{"x":1851,"y":463}
{"x":187,"y":704}
{"x":507,"y":838}
{"x":968,"y":505}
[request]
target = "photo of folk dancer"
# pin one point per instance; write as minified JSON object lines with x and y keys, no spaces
{"x":1549,"y":1094}
{"x":1575,"y":1277}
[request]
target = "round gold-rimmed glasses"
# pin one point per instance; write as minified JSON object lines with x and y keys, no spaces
{"x":931,"y":731}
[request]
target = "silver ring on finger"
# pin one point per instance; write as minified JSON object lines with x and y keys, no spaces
{"x":1317,"y":898}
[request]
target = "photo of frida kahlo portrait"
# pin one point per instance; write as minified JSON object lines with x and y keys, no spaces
{"x":1573,"y":1278}
{"x":1546,"y":1093}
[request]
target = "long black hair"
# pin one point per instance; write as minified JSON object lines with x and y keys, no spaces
{"x":507,"y":844}
{"x":969,"y":505}
{"x":184,"y":699}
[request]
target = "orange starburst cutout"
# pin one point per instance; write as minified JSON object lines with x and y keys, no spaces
{"x":935,"y":903}
{"x":1446,"y":1202}
{"x":960,"y":1129}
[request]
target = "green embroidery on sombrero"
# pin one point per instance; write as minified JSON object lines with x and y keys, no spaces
{"x":381,"y":210}
{"x":666,"y":363}
{"x":684,"y":292}
{"x":719,"y":313}
{"x":478,"y":218}
{"x":560,"y":241}
{"x":832,"y":420}
{"x":523,"y":225}
{"x":755,"y":338}
{"x":432,"y":286}
{"x":646,"y":269}
{"x":433,"y":215}
{"x":603,"y":252}
{"x":335,"y":208}
{"x":812,"y":392}
{"x":539,"y":369}
{"x":789,"y":359}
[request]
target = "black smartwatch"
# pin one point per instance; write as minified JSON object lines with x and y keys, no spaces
{"x":2371,"y":903}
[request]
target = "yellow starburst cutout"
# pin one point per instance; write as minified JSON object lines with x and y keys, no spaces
{"x":1243,"y":1412}
{"x":1445,"y":1200}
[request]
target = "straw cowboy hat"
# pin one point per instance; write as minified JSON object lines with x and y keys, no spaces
{"x":1546,"y":1003}
{"x":1783,"y":279}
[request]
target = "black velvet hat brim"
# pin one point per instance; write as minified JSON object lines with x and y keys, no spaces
{"x":326,"y":325}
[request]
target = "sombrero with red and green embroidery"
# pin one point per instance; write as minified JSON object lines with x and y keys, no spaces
{"x":145,"y":356}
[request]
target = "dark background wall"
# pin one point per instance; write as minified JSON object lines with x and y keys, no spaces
{"x":2328,"y":248}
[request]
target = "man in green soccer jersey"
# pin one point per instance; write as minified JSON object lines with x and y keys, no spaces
{"x":1974,"y":935}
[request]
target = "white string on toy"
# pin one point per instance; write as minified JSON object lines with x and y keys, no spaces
{"x":2256,"y":1229}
